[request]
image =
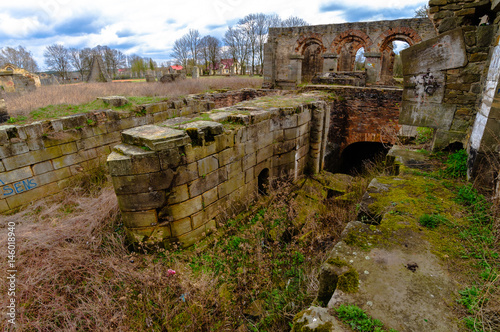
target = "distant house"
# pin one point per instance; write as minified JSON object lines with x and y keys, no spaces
{"x":74,"y":77}
{"x":223,"y":67}
{"x":174,"y":69}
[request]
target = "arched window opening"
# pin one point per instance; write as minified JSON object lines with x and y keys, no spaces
{"x":359,"y":64}
{"x":397,"y":70}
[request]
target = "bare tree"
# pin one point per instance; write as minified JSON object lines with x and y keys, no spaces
{"x":293,"y":21}
{"x":19,"y":57}
{"x":81,"y":60}
{"x":210,"y":51}
{"x":181,"y":51}
{"x":214,"y":50}
{"x":249,"y":25}
{"x":273,"y":21}
{"x":422,"y":12}
{"x":57,"y":59}
{"x":114,"y":60}
{"x":238,"y":45}
{"x":193,"y":38}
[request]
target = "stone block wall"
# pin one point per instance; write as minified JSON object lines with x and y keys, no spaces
{"x":451,"y":81}
{"x":173,"y":180}
{"x":38,"y":159}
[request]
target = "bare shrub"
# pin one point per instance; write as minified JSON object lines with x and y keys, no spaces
{"x":82,"y":93}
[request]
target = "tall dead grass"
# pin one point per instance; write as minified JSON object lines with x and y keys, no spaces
{"x":74,"y":273}
{"x":87,"y":92}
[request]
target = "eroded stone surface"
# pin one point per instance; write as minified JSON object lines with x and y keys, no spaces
{"x":154,"y":137}
{"x":114,"y":101}
{"x":406,"y":299}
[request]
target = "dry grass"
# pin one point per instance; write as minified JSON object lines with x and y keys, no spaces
{"x":75,"y":94}
{"x":74,"y":273}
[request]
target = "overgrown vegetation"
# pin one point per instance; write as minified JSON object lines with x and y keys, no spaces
{"x":258,"y":270}
{"x":480,"y":242}
{"x":424,"y":135}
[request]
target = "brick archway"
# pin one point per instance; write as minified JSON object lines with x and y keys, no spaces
{"x":310,"y":46}
{"x":346,"y":45}
{"x":384,"y":46}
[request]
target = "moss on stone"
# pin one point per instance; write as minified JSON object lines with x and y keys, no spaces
{"x":301,"y":323}
{"x":349,"y":282}
{"x":337,"y":262}
{"x":357,"y":237}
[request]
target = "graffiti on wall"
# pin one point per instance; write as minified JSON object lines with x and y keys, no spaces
{"x":17,"y":187}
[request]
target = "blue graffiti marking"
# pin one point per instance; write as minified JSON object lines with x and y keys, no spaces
{"x":18,"y":187}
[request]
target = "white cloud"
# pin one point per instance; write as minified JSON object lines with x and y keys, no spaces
{"x":148,"y":26}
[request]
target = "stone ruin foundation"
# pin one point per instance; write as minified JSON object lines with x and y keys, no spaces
{"x":174,"y":179}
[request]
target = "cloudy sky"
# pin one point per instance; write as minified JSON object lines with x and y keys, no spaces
{"x":149,"y":27}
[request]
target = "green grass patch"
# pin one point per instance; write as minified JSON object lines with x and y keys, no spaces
{"x":56,"y":111}
{"x":358,"y":320}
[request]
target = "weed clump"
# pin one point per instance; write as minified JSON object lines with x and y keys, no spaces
{"x":431,"y":220}
{"x":456,"y":165}
{"x":358,"y":320}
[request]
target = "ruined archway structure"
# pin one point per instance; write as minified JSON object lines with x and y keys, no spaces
{"x":294,"y":55}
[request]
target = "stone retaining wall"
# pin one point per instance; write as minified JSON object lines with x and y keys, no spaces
{"x":174,"y":179}
{"x":38,"y":159}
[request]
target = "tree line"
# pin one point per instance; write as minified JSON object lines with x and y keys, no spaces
{"x":243,"y":43}
{"x":63,"y":60}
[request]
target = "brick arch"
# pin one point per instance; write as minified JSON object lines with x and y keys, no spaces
{"x":399,"y":33}
{"x":346,"y":44}
{"x":387,"y":55}
{"x":349,"y":36}
{"x":306,"y":40}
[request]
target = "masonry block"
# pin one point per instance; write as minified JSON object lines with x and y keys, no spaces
{"x":140,"y":219}
{"x":143,"y":201}
{"x":184,"y":209}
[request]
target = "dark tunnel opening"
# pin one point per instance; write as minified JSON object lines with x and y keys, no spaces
{"x":360,"y":157}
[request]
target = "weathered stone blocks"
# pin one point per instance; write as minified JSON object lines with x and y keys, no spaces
{"x":210,"y":171}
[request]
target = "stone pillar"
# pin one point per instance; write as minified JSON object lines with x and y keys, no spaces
{"x":269,"y":70}
{"x":233,"y":70}
{"x":330,"y":62}
{"x":296,"y":68}
{"x":372,"y":65}
{"x":195,"y":73}
{"x":320,"y":121}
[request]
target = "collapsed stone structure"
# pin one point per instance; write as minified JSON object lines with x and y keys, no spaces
{"x":296,"y":55}
{"x":47,"y":79}
{"x":14,"y":79}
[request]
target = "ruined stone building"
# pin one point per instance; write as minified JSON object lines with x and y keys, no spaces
{"x":296,"y":55}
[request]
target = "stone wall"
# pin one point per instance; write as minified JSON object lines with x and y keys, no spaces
{"x":173,"y":180}
{"x":294,"y":55}
{"x":451,"y":81}
{"x":38,"y":159}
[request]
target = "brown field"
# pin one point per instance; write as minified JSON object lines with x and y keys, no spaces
{"x":75,"y":94}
